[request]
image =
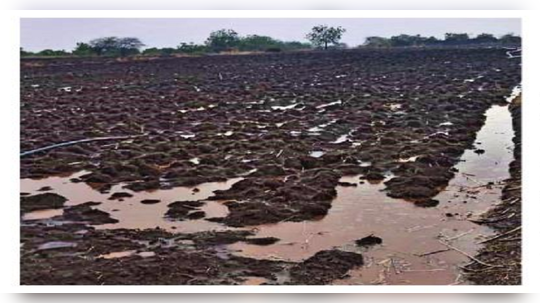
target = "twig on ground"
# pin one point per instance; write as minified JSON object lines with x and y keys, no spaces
{"x":460,"y":235}
{"x":468,"y":255}
{"x":501,"y":235}
{"x":432,"y":252}
{"x":498,"y":219}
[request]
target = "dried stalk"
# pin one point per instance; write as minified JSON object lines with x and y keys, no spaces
{"x":469,"y":256}
{"x":501,"y":235}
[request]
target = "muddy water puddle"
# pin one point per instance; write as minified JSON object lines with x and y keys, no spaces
{"x":420,"y":245}
{"x":129,"y":211}
{"x":407,"y":232}
{"x":42,"y":214}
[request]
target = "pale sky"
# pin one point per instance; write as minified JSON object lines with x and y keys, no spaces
{"x":56,"y":33}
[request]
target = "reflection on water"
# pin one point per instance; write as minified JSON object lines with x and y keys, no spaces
{"x":476,"y":171}
{"x":127,"y":253}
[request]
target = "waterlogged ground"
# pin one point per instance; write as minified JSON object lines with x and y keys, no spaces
{"x":273,"y":181}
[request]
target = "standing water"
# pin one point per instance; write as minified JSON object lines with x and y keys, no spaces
{"x":130,"y":212}
{"x":416,"y":241}
{"x":420,"y":245}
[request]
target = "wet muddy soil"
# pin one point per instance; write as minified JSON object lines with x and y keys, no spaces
{"x":263,"y":169}
{"x":501,"y":254}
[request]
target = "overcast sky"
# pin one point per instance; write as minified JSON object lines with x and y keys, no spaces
{"x":39,"y":34}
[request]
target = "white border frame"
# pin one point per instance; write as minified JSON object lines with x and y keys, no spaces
{"x":10,"y":130}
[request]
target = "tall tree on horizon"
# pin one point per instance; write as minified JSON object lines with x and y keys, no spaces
{"x":323,"y":35}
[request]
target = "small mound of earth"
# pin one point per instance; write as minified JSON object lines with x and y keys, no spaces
{"x":42,"y":201}
{"x":150,"y":201}
{"x":369,"y":241}
{"x":347,"y":184}
{"x":195,"y":215}
{"x":427,"y":203}
{"x":185,"y":210}
{"x":324,"y":267}
{"x":479,"y":151}
{"x":85,"y":213}
{"x":262,"y":241}
{"x":120,"y":195}
{"x":219,"y":238}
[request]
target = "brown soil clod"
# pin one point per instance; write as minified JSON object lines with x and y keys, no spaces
{"x":42,"y":201}
{"x":150,"y":201}
{"x":324,"y":267}
{"x":120,"y":195}
{"x":369,"y":241}
{"x":262,"y":241}
{"x":426,"y":203}
{"x":185,"y":210}
{"x":85,"y":213}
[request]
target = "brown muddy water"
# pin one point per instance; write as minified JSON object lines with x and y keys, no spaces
{"x":130,"y":212}
{"x":416,"y":240}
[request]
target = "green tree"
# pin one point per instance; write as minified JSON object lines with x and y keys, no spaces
{"x":510,"y":39}
{"x":52,"y":53}
{"x":154,"y":51}
{"x":323,"y":35}
{"x":192,"y":48}
{"x":83,"y":49}
{"x":408,"y":40}
{"x":454,"y":39}
{"x":105,"y":45}
{"x":432,"y":41}
{"x":223,"y":39}
{"x":114,"y":46}
{"x":485,"y":38}
{"x":129,"y":46}
{"x":258,"y":43}
{"x":375,"y":41}
{"x":24,"y":53}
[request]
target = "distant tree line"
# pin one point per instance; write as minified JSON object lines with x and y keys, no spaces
{"x":106,"y":46}
{"x":450,"y":39}
{"x":219,"y":41}
{"x":228,"y":40}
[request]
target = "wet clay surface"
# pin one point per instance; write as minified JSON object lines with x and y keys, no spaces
{"x":279,"y":151}
{"x":265,"y":112}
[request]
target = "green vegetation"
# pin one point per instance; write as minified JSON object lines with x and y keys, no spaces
{"x":228,"y":40}
{"x":323,"y":35}
{"x":269,"y":44}
{"x":113,"y":46}
{"x":106,"y":46}
{"x":223,"y":40}
{"x":83,"y":49}
{"x":450,"y":39}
